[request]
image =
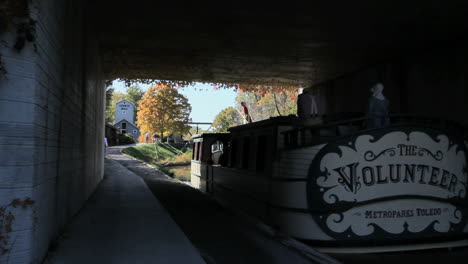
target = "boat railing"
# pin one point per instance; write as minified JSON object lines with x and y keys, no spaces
{"x":308,"y":135}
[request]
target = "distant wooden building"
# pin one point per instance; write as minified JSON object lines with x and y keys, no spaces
{"x":128,"y":127}
{"x":124,"y":118}
{"x":125,"y":109}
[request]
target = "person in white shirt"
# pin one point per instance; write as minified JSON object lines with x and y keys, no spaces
{"x":147,"y":135}
{"x":378,"y":108}
{"x":105,"y":146}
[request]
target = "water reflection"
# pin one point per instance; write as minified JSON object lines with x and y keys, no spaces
{"x":181,"y":173}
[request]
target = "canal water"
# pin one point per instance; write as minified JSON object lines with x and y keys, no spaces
{"x":181,"y":173}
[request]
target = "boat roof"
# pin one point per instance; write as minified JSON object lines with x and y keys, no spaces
{"x":204,"y":135}
{"x":278,"y":120}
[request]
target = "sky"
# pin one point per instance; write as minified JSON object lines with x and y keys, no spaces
{"x":205,"y":101}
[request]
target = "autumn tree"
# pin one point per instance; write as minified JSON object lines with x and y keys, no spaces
{"x":110,"y":108}
{"x":280,"y":104}
{"x":265,"y":104}
{"x":163,"y":109}
{"x":227,"y":118}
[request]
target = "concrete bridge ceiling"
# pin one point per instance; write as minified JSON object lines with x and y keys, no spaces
{"x":283,"y":44}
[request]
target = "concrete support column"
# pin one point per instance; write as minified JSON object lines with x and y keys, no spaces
{"x":52,"y":117}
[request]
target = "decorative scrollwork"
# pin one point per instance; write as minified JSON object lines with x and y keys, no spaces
{"x":437,"y":156}
{"x":336,"y":220}
{"x":371,"y":156}
{"x":333,"y":198}
{"x":457,"y":214}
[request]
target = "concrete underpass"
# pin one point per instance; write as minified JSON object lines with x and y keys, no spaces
{"x":56,"y":57}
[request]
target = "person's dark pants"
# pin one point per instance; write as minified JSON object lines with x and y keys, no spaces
{"x":378,"y":122}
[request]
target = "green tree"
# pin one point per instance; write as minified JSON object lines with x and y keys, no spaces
{"x":109,"y":94}
{"x":117,"y":97}
{"x":163,"y":109}
{"x":227,"y":118}
{"x":134,"y":94}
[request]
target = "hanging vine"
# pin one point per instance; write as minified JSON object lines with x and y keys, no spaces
{"x":244,"y":86}
{"x":15,"y":16}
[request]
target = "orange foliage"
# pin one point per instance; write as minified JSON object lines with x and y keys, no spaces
{"x":263,"y":89}
{"x":163,"y":109}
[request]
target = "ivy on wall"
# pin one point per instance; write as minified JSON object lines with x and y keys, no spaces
{"x":15,"y":17}
{"x":7,"y":218}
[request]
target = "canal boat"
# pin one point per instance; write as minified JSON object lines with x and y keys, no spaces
{"x":340,"y":186}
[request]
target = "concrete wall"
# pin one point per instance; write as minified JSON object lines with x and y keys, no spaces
{"x":52,"y":118}
{"x":430,"y":82}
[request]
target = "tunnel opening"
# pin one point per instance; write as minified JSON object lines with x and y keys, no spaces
{"x":55,"y":62}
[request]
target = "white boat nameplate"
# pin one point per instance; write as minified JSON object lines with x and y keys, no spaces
{"x":396,"y":184}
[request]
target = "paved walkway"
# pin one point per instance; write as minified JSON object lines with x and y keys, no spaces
{"x":123,"y":223}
